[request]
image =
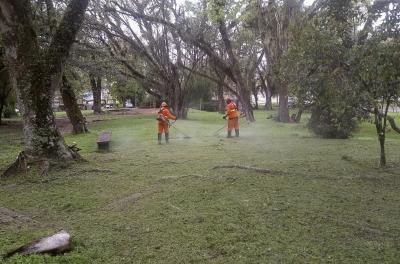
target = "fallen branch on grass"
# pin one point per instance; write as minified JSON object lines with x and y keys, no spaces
{"x":57,"y":243}
{"x":261,"y":170}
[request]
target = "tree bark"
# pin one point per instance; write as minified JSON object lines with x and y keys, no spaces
{"x":255,"y":94}
{"x":71,"y":107}
{"x":380,"y":130}
{"x":35,"y":74}
{"x":95,"y":83}
{"x":1,"y":111}
{"x":221,"y":101}
{"x":283,"y":105}
{"x":268,"y":99}
{"x":275,"y":21}
{"x":243,"y":91}
{"x":267,"y":91}
{"x":179,"y":105}
{"x":299,"y":114}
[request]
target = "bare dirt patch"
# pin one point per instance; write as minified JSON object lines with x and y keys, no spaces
{"x":8,"y":216}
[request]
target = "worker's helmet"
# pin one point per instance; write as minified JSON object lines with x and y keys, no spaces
{"x":164,"y":104}
{"x":228,"y":100}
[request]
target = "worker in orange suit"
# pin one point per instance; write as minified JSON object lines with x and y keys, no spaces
{"x":233,"y":117}
{"x":164,"y":115}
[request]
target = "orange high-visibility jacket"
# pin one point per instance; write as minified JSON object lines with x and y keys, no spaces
{"x":166,"y":114}
{"x":231,"y":110}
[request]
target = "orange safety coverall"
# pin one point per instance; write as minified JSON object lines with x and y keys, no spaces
{"x":162,"y":125}
{"x":232,"y":114}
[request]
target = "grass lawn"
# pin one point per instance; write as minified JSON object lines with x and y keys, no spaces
{"x":326,"y":201}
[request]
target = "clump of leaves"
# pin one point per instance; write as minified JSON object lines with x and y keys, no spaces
{"x":331,"y":122}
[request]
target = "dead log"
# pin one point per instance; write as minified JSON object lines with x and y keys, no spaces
{"x":261,"y":170}
{"x":55,"y":244}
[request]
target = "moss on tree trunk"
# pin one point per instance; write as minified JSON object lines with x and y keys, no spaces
{"x":73,"y":111}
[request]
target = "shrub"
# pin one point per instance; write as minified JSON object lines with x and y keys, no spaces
{"x":9,"y":111}
{"x":331,"y":122}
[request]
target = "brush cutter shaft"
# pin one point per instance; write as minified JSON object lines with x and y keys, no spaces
{"x":219,"y":130}
{"x":179,"y":131}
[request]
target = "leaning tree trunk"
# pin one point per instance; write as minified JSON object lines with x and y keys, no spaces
{"x":275,"y":27}
{"x":73,"y":111}
{"x":221,"y":101}
{"x":267,"y":87}
{"x":268,"y":99}
{"x":178,"y":100}
{"x":242,"y":90}
{"x":380,"y":130}
{"x":245,"y":102}
{"x":283,"y":105}
{"x":255,"y":94}
{"x":95,"y":83}
{"x":299,"y":114}
{"x":35,"y":74}
{"x":2,"y":103}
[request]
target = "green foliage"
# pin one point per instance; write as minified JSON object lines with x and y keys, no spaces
{"x":333,"y":121}
{"x":123,"y":89}
{"x":376,"y":66}
{"x":315,"y":69}
{"x":9,"y":111}
{"x":200,"y":89}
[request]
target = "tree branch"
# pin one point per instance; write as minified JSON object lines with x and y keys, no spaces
{"x":393,"y":124}
{"x":64,"y":35}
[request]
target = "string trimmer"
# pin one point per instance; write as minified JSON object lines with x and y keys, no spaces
{"x":219,"y":130}
{"x":171,"y":124}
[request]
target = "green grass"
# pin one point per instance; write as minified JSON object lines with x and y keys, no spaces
{"x":325,"y":202}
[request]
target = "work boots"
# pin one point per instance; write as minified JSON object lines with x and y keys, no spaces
{"x":166,"y":137}
{"x":229,"y":134}
{"x":159,"y":139}
{"x":237,"y":132}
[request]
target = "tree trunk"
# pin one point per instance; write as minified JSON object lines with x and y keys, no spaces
{"x":268,"y":99}
{"x":275,"y":24}
{"x":283,"y":106}
{"x":35,"y":74}
{"x":380,"y":130}
{"x":43,"y":141}
{"x":133,"y":101}
{"x":71,"y":107}
{"x":382,"y":161}
{"x":1,"y":111}
{"x":221,"y":101}
{"x":255,"y":94}
{"x":95,"y":83}
{"x":247,"y":109}
{"x":267,"y":87}
{"x":179,"y":107}
{"x":299,"y":114}
{"x":242,"y":90}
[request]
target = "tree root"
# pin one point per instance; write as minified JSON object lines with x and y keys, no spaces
{"x":24,"y":160}
{"x":18,"y":165}
{"x":261,"y":170}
